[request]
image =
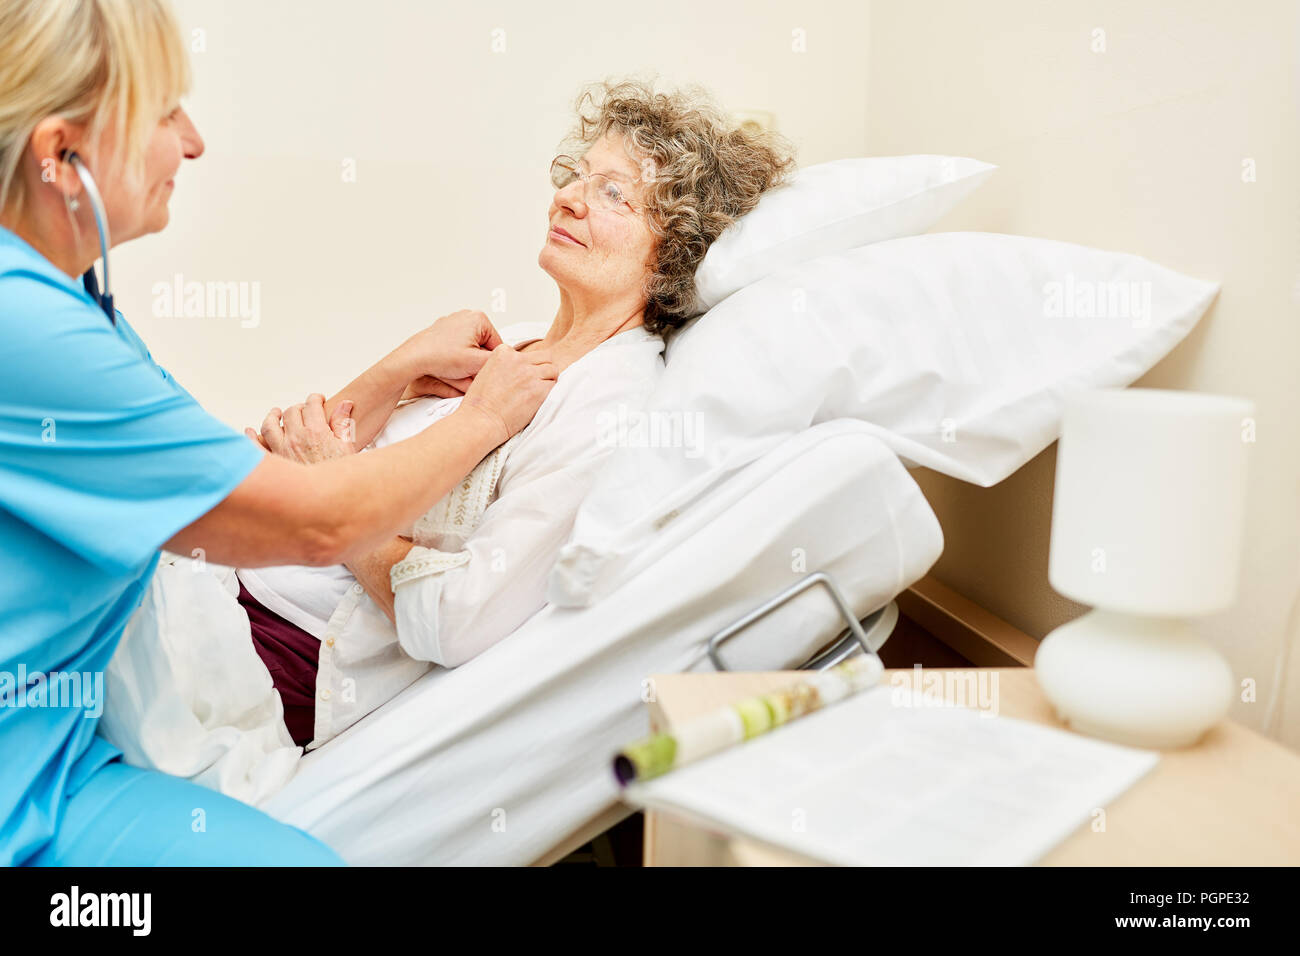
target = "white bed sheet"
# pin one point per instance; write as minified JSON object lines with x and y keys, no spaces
{"x":498,"y":760}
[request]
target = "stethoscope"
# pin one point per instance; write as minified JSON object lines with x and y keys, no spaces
{"x":91,"y":284}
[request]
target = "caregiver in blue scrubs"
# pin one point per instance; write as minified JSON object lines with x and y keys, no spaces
{"x":104,"y":458}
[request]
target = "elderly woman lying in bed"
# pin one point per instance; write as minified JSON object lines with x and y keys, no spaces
{"x":649,"y":181}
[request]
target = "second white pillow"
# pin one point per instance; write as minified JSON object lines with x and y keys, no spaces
{"x":833,"y":207}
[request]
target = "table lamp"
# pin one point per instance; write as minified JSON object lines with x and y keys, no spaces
{"x":1147,"y":525}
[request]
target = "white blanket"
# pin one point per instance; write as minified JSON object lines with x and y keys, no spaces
{"x":186,"y":692}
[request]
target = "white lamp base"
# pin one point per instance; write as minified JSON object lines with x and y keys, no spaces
{"x":1149,"y":682}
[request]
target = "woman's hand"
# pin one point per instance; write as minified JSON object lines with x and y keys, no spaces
{"x":427,"y":385}
{"x":303,"y":434}
{"x":444,"y":357}
{"x":509,"y":389}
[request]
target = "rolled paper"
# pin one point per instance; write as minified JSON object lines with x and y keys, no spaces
{"x":743,"y":719}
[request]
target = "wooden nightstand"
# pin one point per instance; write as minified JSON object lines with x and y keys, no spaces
{"x":1229,"y":801}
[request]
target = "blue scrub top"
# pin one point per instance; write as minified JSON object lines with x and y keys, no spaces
{"x":103,"y":458}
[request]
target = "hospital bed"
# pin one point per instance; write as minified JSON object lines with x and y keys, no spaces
{"x":506,"y":759}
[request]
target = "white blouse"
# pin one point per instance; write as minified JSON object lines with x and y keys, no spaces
{"x":482,"y":554}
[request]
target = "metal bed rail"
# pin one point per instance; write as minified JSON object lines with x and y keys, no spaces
{"x":866,"y":635}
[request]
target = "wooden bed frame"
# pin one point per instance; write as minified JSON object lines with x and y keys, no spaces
{"x":934,"y":622}
{"x":937,"y":627}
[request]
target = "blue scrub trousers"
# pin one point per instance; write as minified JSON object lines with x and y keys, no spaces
{"x":125,"y":816}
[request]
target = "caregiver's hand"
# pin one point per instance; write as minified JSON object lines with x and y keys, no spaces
{"x":440,"y":360}
{"x":303,"y":433}
{"x":453,"y":349}
{"x":509,"y":389}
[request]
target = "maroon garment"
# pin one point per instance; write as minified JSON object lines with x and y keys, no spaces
{"x":290,"y":654}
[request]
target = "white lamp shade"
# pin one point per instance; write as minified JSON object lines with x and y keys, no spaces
{"x":1148,"y":515}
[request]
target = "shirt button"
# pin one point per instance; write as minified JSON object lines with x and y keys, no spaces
{"x":329,"y":641}
{"x":357,"y":589}
{"x":325,"y":694}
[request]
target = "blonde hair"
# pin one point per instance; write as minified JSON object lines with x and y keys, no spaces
{"x":91,"y":62}
{"x":702,"y":173}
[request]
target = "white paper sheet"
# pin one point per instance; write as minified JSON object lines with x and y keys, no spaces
{"x":885,"y":779}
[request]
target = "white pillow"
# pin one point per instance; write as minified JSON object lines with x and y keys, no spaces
{"x":833,"y":207}
{"x":954,"y":347}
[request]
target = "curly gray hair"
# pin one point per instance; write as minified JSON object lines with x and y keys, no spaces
{"x":701,"y":174}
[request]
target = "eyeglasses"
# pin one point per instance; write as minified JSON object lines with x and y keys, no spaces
{"x":598,"y":189}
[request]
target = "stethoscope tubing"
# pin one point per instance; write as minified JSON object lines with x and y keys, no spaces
{"x":89,"y":281}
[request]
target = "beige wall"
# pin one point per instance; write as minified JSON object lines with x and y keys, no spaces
{"x":1139,"y":148}
{"x":452,"y":142}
